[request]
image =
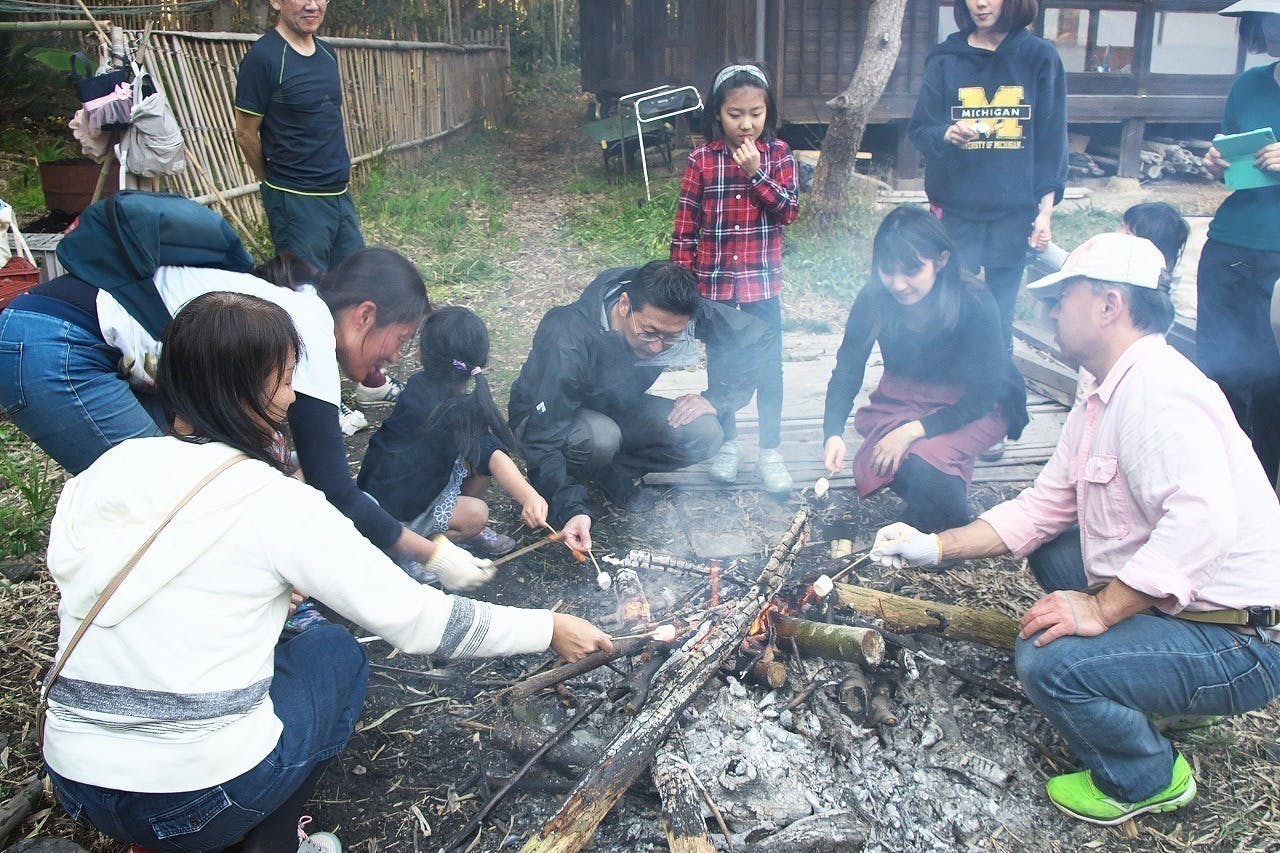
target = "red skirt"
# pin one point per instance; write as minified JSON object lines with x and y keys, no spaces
{"x":898,"y":400}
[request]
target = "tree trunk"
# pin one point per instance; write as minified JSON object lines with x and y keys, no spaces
{"x":852,"y":108}
{"x":834,"y":642}
{"x":906,"y":615}
{"x":631,"y":750}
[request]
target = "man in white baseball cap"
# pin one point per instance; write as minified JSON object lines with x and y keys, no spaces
{"x":1153,"y":529}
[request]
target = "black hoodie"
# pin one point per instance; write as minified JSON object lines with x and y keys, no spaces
{"x":578,"y":362}
{"x":1019,"y":92}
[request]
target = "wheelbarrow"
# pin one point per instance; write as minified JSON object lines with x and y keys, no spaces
{"x":642,"y":123}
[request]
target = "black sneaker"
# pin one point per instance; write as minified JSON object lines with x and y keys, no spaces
{"x":626,"y":493}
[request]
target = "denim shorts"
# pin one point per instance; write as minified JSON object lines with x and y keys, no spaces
{"x":318,"y":690}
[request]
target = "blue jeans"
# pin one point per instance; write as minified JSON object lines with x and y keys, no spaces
{"x":1097,"y":691}
{"x":317,"y":690}
{"x":59,"y":383}
{"x":769,"y":383}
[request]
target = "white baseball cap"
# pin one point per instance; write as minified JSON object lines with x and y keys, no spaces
{"x":1114,"y":257}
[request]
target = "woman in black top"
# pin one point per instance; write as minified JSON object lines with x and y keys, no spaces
{"x":949,"y":388}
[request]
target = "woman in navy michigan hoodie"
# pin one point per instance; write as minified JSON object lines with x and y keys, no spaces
{"x":991,"y":122}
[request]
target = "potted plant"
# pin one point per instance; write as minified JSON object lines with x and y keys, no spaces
{"x":69,"y":181}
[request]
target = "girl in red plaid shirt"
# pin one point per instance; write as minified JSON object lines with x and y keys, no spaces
{"x":738,"y":191}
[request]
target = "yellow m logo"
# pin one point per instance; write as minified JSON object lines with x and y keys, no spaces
{"x":1005,"y":112}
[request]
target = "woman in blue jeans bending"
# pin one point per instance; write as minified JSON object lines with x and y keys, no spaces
{"x":178,"y":721}
{"x":78,"y":353}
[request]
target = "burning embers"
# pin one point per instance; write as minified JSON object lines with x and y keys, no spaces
{"x":826,"y":692}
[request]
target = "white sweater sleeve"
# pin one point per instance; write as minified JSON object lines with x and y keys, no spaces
{"x":318,"y":550}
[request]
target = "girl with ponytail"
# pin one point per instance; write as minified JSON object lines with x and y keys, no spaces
{"x":431,"y":461}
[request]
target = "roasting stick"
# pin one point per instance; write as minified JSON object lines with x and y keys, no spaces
{"x":661,"y":633}
{"x":603,"y":578}
{"x":555,"y":537}
{"x":825,"y":583}
{"x":850,"y":567}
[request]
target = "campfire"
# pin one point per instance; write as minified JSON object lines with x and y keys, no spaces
{"x":726,"y":686}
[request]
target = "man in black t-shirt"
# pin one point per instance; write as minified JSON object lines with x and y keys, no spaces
{"x":289,"y":126}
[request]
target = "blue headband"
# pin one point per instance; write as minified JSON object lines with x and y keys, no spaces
{"x":729,"y":71}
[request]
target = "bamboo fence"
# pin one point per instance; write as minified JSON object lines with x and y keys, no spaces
{"x":397,"y":95}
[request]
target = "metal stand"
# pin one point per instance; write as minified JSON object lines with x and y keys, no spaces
{"x":653,"y":106}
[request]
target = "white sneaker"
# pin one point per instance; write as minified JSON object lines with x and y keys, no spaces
{"x":387,"y":392}
{"x":351,"y":421}
{"x":773,"y":472}
{"x":316,"y":842}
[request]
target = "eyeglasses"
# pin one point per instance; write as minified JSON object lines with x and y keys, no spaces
{"x":651,"y":338}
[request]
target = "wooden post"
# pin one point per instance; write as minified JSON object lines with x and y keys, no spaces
{"x":905,"y":615}
{"x":1131,"y":147}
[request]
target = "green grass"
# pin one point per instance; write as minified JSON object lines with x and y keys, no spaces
{"x":1073,"y":227}
{"x":836,"y":260}
{"x":615,"y":225}
{"x":447,"y":213}
{"x":29,"y":487}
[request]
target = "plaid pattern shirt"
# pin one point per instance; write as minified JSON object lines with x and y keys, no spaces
{"x":729,"y":226}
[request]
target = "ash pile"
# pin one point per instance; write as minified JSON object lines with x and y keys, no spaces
{"x":795,"y":710}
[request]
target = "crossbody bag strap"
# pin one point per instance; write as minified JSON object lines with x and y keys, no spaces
{"x":43,"y":708}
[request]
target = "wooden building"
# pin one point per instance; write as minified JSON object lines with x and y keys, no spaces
{"x":1129,"y":62}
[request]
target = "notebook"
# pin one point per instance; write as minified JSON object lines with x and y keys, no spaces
{"x":1239,"y":150}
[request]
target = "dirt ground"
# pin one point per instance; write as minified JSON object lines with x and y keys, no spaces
{"x":423,"y":761}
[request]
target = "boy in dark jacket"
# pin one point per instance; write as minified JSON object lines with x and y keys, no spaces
{"x":580,"y":405}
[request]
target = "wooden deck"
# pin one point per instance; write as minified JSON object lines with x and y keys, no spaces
{"x":808,"y":362}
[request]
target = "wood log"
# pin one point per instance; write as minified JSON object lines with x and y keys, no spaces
{"x":572,"y":827}
{"x":769,"y":674}
{"x":854,"y":693}
{"x":640,"y":682}
{"x":552,"y":677}
{"x":905,"y":615}
{"x":880,"y":706}
{"x":633,"y":604}
{"x":863,"y":646}
{"x":836,"y":728}
{"x":682,"y":819}
{"x":570,"y":757}
{"x":16,"y":809}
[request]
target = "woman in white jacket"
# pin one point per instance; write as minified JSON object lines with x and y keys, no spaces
{"x":179,"y":722}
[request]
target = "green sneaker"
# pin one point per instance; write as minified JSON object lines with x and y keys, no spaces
{"x":1076,"y":795}
{"x":724,"y":465}
{"x":773,"y":472}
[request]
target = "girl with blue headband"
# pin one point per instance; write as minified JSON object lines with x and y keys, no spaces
{"x":738,"y":192}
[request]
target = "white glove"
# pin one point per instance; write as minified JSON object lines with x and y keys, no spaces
{"x":900,"y":545}
{"x":458,"y":570}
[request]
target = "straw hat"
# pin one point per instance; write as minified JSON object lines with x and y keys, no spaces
{"x":1243,"y":7}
